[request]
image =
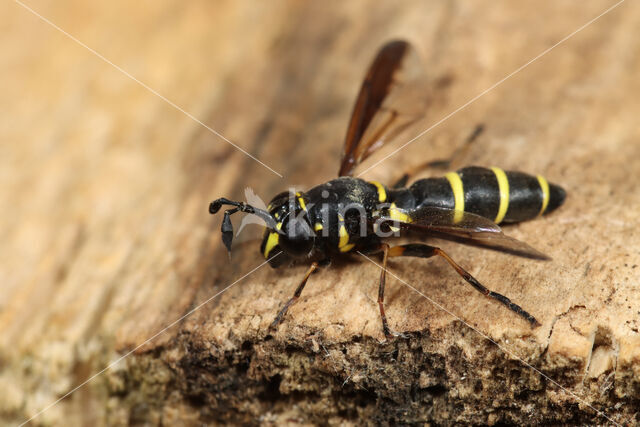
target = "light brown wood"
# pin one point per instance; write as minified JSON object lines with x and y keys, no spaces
{"x":107,"y":239}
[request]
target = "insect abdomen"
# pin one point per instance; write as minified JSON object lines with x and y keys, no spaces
{"x":502,"y":196}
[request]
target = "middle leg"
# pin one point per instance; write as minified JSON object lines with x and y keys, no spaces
{"x":383,"y":279}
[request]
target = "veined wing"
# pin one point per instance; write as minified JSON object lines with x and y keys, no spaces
{"x":393,"y":96}
{"x":464,"y":227}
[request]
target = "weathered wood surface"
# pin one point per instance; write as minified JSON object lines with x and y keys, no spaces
{"x":107,"y":239}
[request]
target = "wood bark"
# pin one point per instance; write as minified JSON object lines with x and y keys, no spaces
{"x":107,"y":240}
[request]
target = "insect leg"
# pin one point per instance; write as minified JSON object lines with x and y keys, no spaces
{"x":426,"y":251}
{"x":434,"y":164}
{"x":296,"y":295}
{"x":443,"y":164}
{"x":383,"y":279}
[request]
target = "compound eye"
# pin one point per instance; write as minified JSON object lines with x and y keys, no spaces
{"x":298,"y":237}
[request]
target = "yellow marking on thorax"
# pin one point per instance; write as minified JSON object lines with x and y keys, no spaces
{"x":503,"y":186}
{"x":458,"y":195}
{"x":382,"y":193}
{"x":272,"y":241}
{"x":398,"y":214}
{"x":343,"y":244}
{"x":544,"y":185}
{"x":301,"y":201}
{"x":318,"y":226}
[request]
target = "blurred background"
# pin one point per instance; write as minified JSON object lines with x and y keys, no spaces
{"x":108,"y":161}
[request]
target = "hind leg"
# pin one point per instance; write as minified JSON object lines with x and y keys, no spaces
{"x":426,"y":251}
{"x":443,"y":164}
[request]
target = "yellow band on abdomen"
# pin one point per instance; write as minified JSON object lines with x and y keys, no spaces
{"x":458,"y":195}
{"x":544,"y":186}
{"x":503,"y":186}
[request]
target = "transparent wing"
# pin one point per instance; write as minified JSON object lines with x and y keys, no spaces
{"x":393,"y":96}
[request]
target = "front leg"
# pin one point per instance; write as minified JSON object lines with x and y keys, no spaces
{"x":296,"y":295}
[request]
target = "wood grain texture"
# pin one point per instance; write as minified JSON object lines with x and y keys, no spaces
{"x":107,"y":239}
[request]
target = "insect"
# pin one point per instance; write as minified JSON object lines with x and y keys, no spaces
{"x":349,"y":215}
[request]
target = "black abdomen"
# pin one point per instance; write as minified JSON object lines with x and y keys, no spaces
{"x":502,"y":196}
